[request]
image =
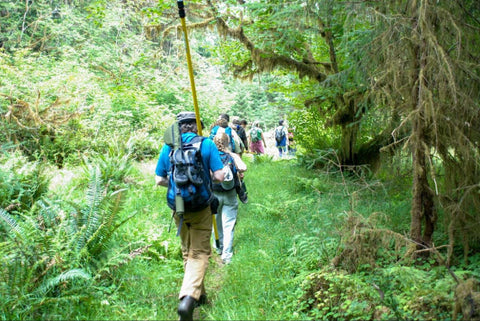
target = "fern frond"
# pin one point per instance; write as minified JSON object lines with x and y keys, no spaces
{"x":92,"y":214}
{"x":48,"y":213}
{"x":63,"y":277}
{"x":10,"y":223}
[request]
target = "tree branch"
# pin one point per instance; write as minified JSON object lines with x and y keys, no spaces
{"x":263,"y":60}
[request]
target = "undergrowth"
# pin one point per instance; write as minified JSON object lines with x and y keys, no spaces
{"x":306,"y":247}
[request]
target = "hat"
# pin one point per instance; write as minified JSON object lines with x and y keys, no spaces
{"x":185,"y":116}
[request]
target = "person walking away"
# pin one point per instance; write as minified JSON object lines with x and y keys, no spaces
{"x":235,"y":143}
{"x":239,"y":127}
{"x":281,"y":138}
{"x":227,"y":200}
{"x":221,"y":126}
{"x":195,"y":225}
{"x":257,"y":141}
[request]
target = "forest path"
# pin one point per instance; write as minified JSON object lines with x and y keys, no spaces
{"x":254,"y":285}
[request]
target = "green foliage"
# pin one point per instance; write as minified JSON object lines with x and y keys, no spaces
{"x":100,"y":85}
{"x":21,"y":182}
{"x":310,"y":130}
{"x":114,"y":167}
{"x":59,"y":252}
{"x":333,"y":294}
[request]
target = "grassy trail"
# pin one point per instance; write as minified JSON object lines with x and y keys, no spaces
{"x":256,"y":285}
{"x":253,"y":286}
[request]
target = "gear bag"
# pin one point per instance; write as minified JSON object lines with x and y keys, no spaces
{"x":188,"y":178}
{"x":255,"y":135}
{"x":230,"y":178}
{"x":279,"y":134}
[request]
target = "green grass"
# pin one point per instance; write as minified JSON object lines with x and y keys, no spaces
{"x":285,"y":239}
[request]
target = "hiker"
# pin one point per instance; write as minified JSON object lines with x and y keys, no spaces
{"x":281,"y":134}
{"x":222,"y":124}
{"x":227,"y":199}
{"x":194,"y":227}
{"x":240,"y":188}
{"x":257,"y":141}
{"x":239,"y":127}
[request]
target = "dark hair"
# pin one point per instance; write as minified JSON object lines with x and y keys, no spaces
{"x":243,"y":122}
{"x":280,"y":122}
{"x":188,"y":126}
{"x":225,"y":116}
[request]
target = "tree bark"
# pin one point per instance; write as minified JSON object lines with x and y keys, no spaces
{"x":422,"y":203}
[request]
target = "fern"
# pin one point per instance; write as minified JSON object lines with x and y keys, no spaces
{"x":91,"y":215}
{"x":10,"y":223}
{"x":66,"y":276}
{"x":48,"y":213}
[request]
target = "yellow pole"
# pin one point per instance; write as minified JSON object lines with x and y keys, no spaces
{"x":181,"y":12}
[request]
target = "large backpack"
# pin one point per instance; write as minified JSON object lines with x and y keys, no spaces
{"x":279,"y":134}
{"x":255,"y":135}
{"x":188,"y":177}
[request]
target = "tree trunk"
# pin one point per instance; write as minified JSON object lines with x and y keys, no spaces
{"x":422,"y":201}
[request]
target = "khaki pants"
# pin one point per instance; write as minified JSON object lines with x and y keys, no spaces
{"x":195,"y":236}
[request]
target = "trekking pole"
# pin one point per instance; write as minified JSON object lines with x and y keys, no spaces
{"x":181,"y":12}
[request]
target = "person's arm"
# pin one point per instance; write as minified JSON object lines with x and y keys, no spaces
{"x":263,"y":139}
{"x":218,"y":176}
{"x":161,"y":170}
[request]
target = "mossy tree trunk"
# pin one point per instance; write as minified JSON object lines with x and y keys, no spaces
{"x":426,"y":67}
{"x":423,"y":210}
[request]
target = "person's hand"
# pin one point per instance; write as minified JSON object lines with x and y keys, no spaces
{"x":161,"y":181}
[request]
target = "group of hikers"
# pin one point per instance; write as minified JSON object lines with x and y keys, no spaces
{"x":204,"y":176}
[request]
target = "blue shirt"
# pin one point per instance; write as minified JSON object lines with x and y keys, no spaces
{"x":210,"y":157}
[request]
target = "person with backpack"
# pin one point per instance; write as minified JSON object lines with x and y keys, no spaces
{"x":227,"y":199}
{"x":184,"y":166}
{"x":257,"y":141}
{"x":239,"y":127}
{"x":222,"y":125}
{"x":281,"y":138}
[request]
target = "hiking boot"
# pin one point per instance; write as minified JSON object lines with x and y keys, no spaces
{"x":185,"y":308}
